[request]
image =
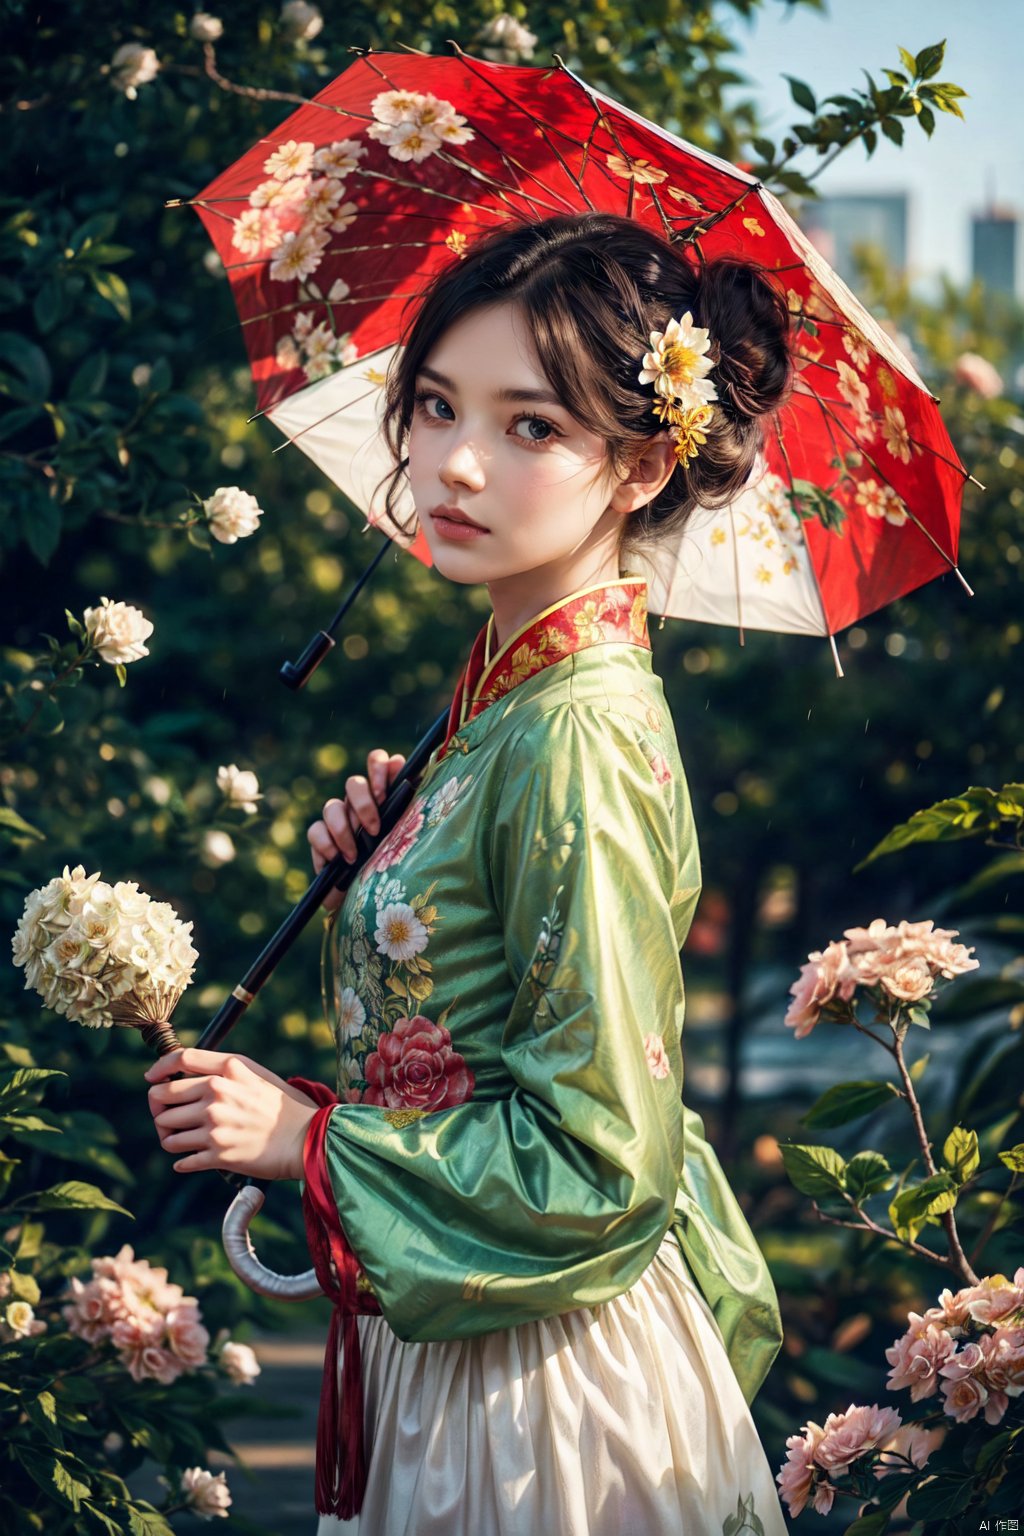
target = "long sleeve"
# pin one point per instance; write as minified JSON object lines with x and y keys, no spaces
{"x":552,"y":1185}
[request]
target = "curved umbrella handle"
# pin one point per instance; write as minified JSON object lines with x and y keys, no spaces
{"x":241,"y":1254}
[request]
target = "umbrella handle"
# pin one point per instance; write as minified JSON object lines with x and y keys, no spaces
{"x":241,"y":1254}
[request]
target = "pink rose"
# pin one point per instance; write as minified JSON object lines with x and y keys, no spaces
{"x":796,"y":1475}
{"x":657,"y":1056}
{"x":827,"y":973}
{"x":965,"y":1398}
{"x":153,"y":1364}
{"x":414,"y":1067}
{"x":398,"y":841}
{"x":186,"y":1335}
{"x":908,"y":979}
{"x":1002,"y":1367}
{"x":911,"y":1441}
{"x":979,"y":374}
{"x":854,"y":1433}
{"x":917,"y":1357}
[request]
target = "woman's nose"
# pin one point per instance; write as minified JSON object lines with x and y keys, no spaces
{"x":462,"y":465}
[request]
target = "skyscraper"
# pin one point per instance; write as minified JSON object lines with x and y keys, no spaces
{"x":837,"y":225}
{"x":994,"y":248}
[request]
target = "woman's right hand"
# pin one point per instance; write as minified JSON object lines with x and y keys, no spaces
{"x":341,"y":819}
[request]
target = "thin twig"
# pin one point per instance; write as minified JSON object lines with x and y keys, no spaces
{"x":866,"y":1224}
{"x":990,"y":1225}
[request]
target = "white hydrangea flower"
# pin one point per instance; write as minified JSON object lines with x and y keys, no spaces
{"x":232,"y":514}
{"x":300,"y":21}
{"x":206,"y":28}
{"x":239,"y":786}
{"x":206,"y":1495}
{"x":117,"y":632}
{"x":239,"y":1363}
{"x":133,"y":65}
{"x":506,"y":40}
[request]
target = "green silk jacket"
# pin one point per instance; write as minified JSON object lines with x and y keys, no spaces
{"x":511,"y":1141}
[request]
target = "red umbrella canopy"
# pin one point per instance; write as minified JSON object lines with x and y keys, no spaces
{"x":331,"y":229}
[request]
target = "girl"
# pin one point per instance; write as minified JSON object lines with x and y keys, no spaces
{"x":563,"y":1313}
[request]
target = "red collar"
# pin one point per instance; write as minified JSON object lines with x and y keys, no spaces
{"x":614,"y":611}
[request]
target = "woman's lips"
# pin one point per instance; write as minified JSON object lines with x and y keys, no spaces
{"x":452,"y":528}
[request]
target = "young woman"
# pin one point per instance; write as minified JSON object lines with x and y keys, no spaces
{"x":564,"y":1314}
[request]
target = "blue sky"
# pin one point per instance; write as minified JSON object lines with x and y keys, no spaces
{"x":949,"y":176}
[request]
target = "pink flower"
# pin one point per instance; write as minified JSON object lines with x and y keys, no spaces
{"x":827,"y":973}
{"x":186,"y":1336}
{"x":853,"y":1433}
{"x":907,"y":979}
{"x":965,"y":1397}
{"x":660,"y":768}
{"x":657,"y":1056}
{"x":796,"y":1475}
{"x":1002,"y":1368}
{"x":910,"y":1441}
{"x":153,"y":1364}
{"x":398,"y":841}
{"x":978,"y":373}
{"x":414,"y":1067}
{"x":994,"y":1299}
{"x":917,"y":1357}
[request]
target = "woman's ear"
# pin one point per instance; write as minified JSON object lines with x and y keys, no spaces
{"x":649,"y":473}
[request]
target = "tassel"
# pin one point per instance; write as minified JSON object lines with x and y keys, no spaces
{"x":340,"y":1451}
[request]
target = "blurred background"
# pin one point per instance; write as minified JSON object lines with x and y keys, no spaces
{"x":125,"y":396}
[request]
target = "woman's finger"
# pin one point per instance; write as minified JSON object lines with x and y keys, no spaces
{"x":338,"y":821}
{"x":377,"y":763}
{"x":362,"y":807}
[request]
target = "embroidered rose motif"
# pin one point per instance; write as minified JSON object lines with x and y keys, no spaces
{"x":657,"y":1056}
{"x":414,"y":1067}
{"x":660,"y":768}
{"x":398,"y":841}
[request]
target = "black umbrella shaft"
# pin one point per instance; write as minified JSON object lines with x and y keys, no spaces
{"x":337,"y":875}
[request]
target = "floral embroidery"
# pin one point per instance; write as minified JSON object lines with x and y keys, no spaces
{"x":398,"y":841}
{"x":746,"y":1518}
{"x":399,"y":933}
{"x":414,"y":1067}
{"x":660,"y":768}
{"x":895,"y":433}
{"x":351,"y":1014}
{"x":442,"y":803}
{"x":400,"y":1118}
{"x":657,"y":1056}
{"x":546,"y":949}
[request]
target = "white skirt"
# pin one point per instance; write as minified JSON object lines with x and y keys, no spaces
{"x":623,"y":1420}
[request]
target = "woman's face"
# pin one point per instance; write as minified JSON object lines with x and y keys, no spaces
{"x":489,"y":441}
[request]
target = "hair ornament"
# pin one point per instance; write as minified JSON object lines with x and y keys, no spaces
{"x":678,"y":367}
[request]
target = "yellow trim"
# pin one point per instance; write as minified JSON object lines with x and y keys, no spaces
{"x":492,"y":661}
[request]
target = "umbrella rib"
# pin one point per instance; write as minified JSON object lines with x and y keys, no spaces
{"x":311,"y":424}
{"x":807,"y":548}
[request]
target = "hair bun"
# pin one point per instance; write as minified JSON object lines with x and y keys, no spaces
{"x":748,"y":318}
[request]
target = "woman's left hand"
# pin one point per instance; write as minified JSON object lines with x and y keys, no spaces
{"x":228,"y":1113}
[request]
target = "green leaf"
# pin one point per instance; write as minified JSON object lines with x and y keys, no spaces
{"x":926,"y":117}
{"x":970,"y":814}
{"x":909,"y":63}
{"x":867,"y":1173}
{"x":24,"y":1287}
{"x":940,"y":1498}
{"x":802,"y":94}
{"x":42,"y":1411}
{"x":993,"y":1449}
{"x":147,"y":1521}
{"x":15,"y":1085}
{"x":1014,"y":1159}
{"x":29,"y":361}
{"x":122,"y":674}
{"x":71,"y":1195}
{"x":112,"y":287}
{"x":14,"y":825}
{"x":929,"y":60}
{"x":40,"y":528}
{"x":89,"y":378}
{"x":765,"y":148}
{"x":913,"y":1207}
{"x":104,"y":1522}
{"x":813,"y":1170}
{"x":873,"y":1524}
{"x":848,"y":1101}
{"x":99,"y":227}
{"x":960,"y":1154}
{"x":48,"y":307}
{"x":893,"y":129}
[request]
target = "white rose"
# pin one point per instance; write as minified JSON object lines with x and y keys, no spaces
{"x":217,"y":849}
{"x":232,"y":514}
{"x":510,"y":40}
{"x":117,"y":632}
{"x":206,"y":1494}
{"x":239,"y":1363}
{"x":301,"y":22}
{"x":239,"y":786}
{"x":21,"y":1320}
{"x":132,"y":65}
{"x":206,"y":28}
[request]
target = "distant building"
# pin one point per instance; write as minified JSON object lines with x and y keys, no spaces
{"x":994,"y":249}
{"x":838,"y":225}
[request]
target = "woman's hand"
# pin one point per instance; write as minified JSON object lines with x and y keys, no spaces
{"x":336,"y":832}
{"x":228,"y":1113}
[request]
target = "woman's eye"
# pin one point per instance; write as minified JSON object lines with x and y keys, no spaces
{"x":539,"y":421}
{"x":420,"y":400}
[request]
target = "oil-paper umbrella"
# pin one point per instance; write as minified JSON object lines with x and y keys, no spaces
{"x":332,"y":227}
